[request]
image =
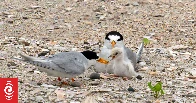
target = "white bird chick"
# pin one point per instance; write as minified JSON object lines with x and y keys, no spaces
{"x":122,"y":66}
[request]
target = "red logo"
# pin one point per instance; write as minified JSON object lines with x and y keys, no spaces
{"x":9,"y":90}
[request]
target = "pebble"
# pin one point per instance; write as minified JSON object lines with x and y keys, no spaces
{"x":35,"y":7}
{"x":153,"y":73}
{"x":135,"y":4}
{"x":68,"y":9}
{"x":142,"y":63}
{"x":11,"y":64}
{"x":95,"y":76}
{"x":94,"y":83}
{"x":148,"y":102}
{"x":131,"y":89}
{"x":23,"y":42}
{"x":2,"y":58}
{"x":43,"y":53}
{"x":48,"y":86}
{"x":193,"y":71}
{"x":39,"y":99}
{"x":75,"y":84}
{"x":9,"y":20}
{"x":139,"y":77}
{"x":138,"y":96}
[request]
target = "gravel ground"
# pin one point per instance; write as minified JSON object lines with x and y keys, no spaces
{"x":37,"y":26}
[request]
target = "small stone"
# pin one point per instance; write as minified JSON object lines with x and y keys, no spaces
{"x":51,"y":27}
{"x":39,"y":83}
{"x":135,"y":12}
{"x":35,"y":7}
{"x":139,"y":77}
{"x":173,"y":101}
{"x":153,"y":73}
{"x":24,"y":43}
{"x":138,"y":96}
{"x":95,"y":83}
{"x":48,"y":86}
{"x":43,"y":53}
{"x":157,"y":101}
{"x":158,"y":15}
{"x":39,"y":99}
{"x":192,"y":77}
{"x":148,"y":102}
{"x":11,"y":64}
{"x":6,"y":13}
{"x":142,"y":63}
{"x":95,"y":76}
{"x":102,"y":17}
{"x":68,"y":9}
{"x":2,"y":58}
{"x":135,"y":4}
{"x":131,"y":89}
{"x":25,"y":17}
{"x":11,"y":21}
{"x":75,"y":84}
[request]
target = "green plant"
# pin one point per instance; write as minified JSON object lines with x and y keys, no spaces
{"x":157,"y":89}
{"x":146,"y":41}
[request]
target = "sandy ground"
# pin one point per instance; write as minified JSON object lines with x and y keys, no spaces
{"x":34,"y":26}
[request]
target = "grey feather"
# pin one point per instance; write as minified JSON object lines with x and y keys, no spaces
{"x":131,"y":56}
{"x":65,"y":64}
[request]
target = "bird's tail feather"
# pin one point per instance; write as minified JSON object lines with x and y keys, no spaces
{"x":139,"y":52}
{"x":25,"y":58}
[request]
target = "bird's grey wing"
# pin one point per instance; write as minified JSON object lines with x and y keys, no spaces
{"x":131,"y":56}
{"x":69,"y":62}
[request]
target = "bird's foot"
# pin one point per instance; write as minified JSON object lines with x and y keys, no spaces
{"x":72,"y":79}
{"x":64,"y":83}
{"x":59,"y":79}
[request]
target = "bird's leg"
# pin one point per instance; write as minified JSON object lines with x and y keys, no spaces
{"x":59,"y":79}
{"x":64,"y":83}
{"x":72,"y":79}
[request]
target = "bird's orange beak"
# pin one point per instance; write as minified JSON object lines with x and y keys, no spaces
{"x":113,"y":43}
{"x":101,"y":60}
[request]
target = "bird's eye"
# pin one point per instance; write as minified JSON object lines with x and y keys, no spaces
{"x":116,"y":53}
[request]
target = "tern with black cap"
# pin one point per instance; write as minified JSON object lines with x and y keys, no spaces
{"x":64,"y":64}
{"x":115,"y":39}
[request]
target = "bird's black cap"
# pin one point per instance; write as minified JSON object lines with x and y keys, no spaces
{"x":90,"y":55}
{"x":114,"y":33}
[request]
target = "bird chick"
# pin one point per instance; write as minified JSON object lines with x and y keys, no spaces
{"x":122,"y":66}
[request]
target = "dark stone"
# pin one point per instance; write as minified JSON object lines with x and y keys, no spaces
{"x":39,"y":83}
{"x":95,"y":76}
{"x":173,"y":101}
{"x":43,"y":53}
{"x":75,"y":84}
{"x":127,"y":4}
{"x":139,"y":77}
{"x":131,"y":89}
{"x":148,"y":102}
{"x":11,"y":64}
{"x":24,"y":17}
